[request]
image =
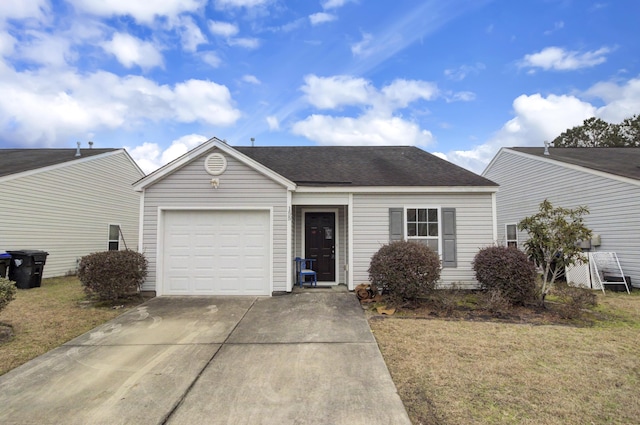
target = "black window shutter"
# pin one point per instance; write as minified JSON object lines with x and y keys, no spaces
{"x":396,"y":224}
{"x":449,"y":249}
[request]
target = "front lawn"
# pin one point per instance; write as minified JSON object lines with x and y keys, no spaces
{"x":471,"y":371}
{"x":46,"y":317}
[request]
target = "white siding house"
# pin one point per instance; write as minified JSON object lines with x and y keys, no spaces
{"x":230,"y":220}
{"x":68,"y":205}
{"x":606,"y":180}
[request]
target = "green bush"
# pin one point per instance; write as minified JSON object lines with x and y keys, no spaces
{"x":7,"y":292}
{"x":111,"y":275}
{"x":406,"y":270}
{"x":508,"y":271}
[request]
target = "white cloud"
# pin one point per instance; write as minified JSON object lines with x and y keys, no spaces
{"x":400,"y":93}
{"x":333,"y":4}
{"x":537,"y":119}
{"x":150,"y":157}
{"x":462,"y":96}
{"x":273,"y":123}
{"x":321,"y":18}
{"x":335,"y":91}
{"x":247,"y":43}
{"x":43,"y":108}
{"x":556,"y":27}
{"x":45,"y":49}
{"x":463,"y":71}
{"x":211,"y":59}
{"x":190,"y":34}
{"x":204,"y":101}
{"x":364,"y":130}
{"x":362,"y":47}
{"x":620,"y":101}
{"x":225,"y":29}
{"x":7,"y":44}
{"x":559,"y":59}
{"x":141,"y":11}
{"x":251,"y":79}
{"x":131,"y":51}
{"x":222,"y":4}
{"x":23,"y":9}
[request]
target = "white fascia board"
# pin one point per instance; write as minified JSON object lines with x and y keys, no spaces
{"x":200,"y":150}
{"x":398,"y":189}
{"x":62,"y":165}
{"x":551,"y":160}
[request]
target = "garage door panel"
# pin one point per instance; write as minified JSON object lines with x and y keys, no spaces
{"x":216,"y":253}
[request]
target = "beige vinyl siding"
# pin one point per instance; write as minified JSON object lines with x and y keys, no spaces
{"x":474,"y":228}
{"x":614,"y":205}
{"x":67,"y":210}
{"x":240,"y":187}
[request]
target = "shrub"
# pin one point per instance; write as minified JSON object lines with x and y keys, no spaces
{"x":508,"y":271}
{"x":574,"y":300}
{"x":406,"y":270}
{"x":7,"y":292}
{"x":111,"y":275}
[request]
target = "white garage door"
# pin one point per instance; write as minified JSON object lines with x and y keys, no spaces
{"x":216,"y":253}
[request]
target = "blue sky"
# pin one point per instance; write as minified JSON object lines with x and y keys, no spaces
{"x":456,"y":78}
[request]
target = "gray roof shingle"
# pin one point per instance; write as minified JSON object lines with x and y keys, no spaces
{"x":362,"y":166}
{"x":13,"y":161}
{"x":624,"y":162}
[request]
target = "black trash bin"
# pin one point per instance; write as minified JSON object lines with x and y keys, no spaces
{"x":26,"y":267}
{"x":5,"y":259}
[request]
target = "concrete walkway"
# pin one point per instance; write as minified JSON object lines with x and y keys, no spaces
{"x":303,"y":358}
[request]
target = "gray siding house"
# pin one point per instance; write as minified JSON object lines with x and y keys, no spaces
{"x":606,"y":180}
{"x":230,"y":220}
{"x":68,"y":205}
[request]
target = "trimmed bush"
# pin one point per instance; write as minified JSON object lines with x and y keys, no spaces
{"x":7,"y":292}
{"x":508,"y":271}
{"x":111,"y":275}
{"x":406,"y":270}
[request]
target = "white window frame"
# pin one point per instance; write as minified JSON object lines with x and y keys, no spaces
{"x":506,"y":235}
{"x":406,"y":224}
{"x":109,"y":240}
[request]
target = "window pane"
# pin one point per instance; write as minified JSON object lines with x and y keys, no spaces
{"x":114,"y":234}
{"x":113,"y":246}
{"x":411,"y":214}
{"x":433,"y":229}
{"x":422,"y":229}
{"x":513,"y":244}
{"x":511,"y":232}
{"x":433,"y":215}
{"x":411,"y":229}
{"x":422,"y":214}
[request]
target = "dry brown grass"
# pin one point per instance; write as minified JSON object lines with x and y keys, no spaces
{"x":46,"y":317}
{"x":470,"y":372}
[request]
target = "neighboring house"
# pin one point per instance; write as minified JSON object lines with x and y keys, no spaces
{"x":68,"y":205}
{"x":230,"y":220}
{"x":606,"y":180}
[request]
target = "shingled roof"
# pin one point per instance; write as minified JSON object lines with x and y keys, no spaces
{"x":13,"y":161}
{"x":624,"y":162}
{"x":362,"y":166}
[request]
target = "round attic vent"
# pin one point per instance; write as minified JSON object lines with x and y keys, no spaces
{"x":215,"y":164}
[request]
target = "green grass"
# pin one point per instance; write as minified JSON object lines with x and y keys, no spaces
{"x":46,"y":317}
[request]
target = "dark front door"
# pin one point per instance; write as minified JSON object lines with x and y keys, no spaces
{"x":320,"y":244}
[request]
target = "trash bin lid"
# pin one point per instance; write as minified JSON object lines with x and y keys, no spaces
{"x":26,"y":252}
{"x":5,"y":256}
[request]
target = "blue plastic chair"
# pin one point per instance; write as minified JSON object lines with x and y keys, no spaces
{"x":304,"y":268}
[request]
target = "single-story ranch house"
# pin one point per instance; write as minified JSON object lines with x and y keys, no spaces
{"x":68,"y":202}
{"x":224,"y":220}
{"x":606,"y":180}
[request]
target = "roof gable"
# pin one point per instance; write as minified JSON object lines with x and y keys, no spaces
{"x":622,"y":162}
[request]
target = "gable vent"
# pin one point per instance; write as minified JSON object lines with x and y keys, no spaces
{"x":215,"y":164}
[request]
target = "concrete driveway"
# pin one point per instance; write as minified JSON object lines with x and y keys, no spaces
{"x":306,"y":358}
